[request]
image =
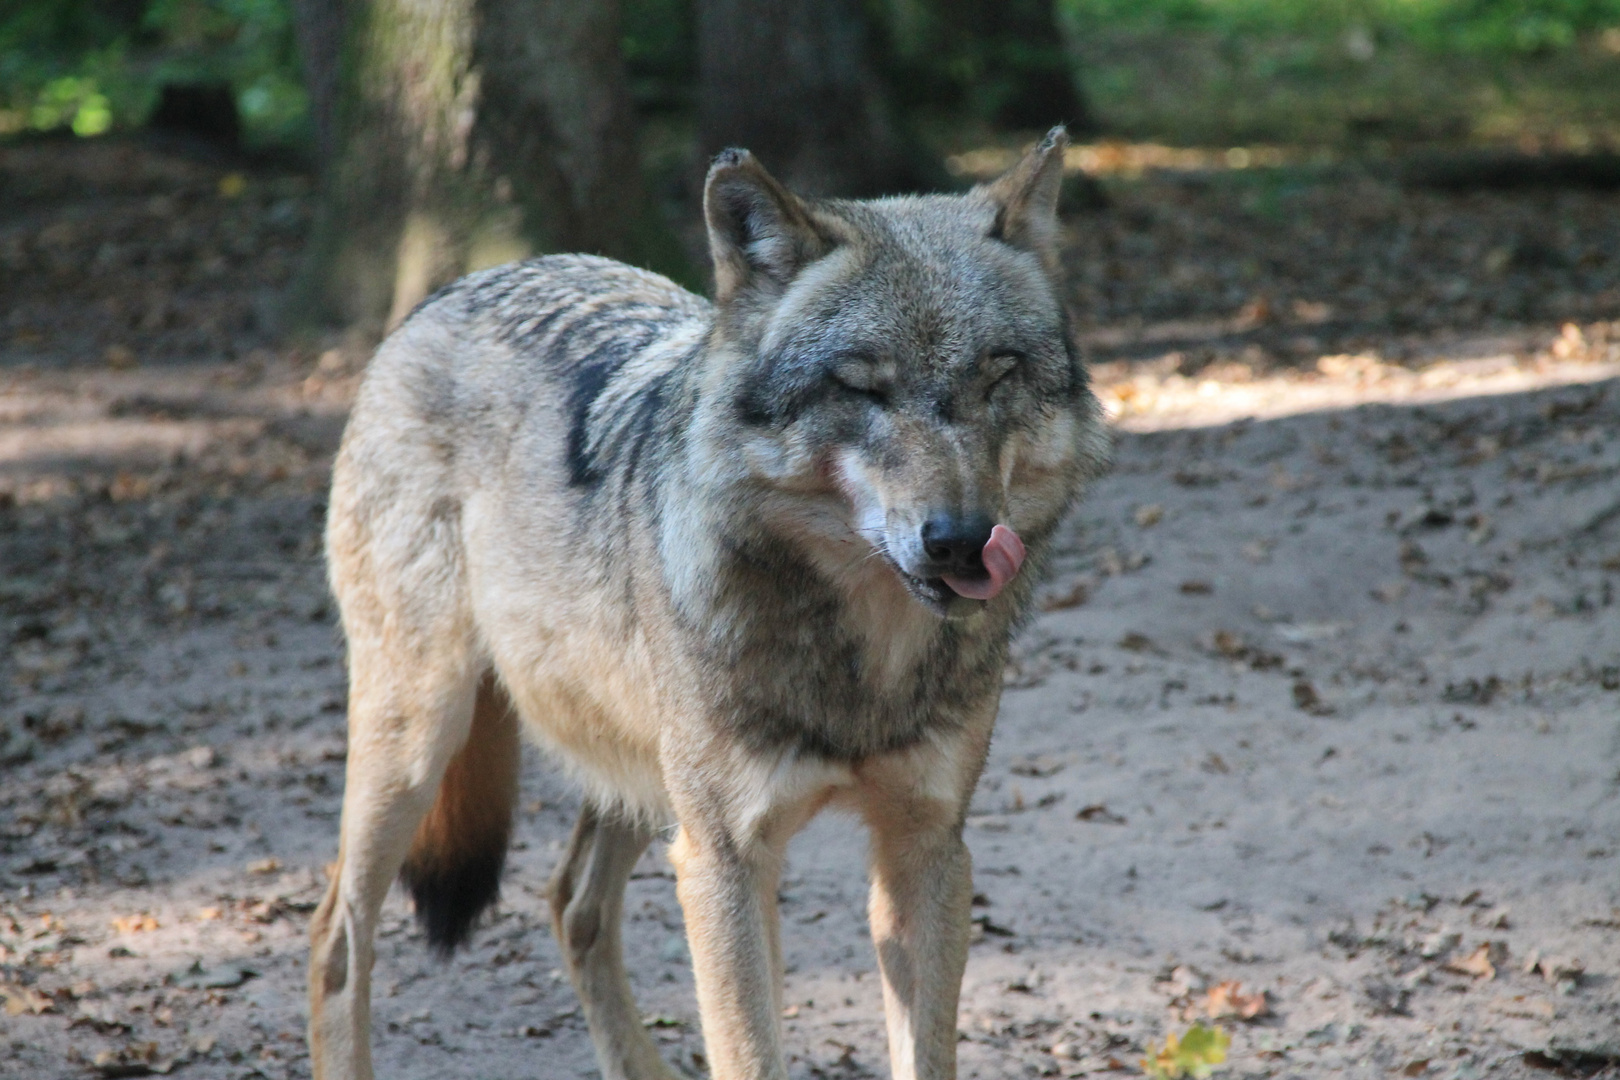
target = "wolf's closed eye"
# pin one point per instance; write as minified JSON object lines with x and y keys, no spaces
{"x":857,"y":375}
{"x":998,"y":367}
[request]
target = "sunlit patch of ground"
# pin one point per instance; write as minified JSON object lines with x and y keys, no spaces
{"x":1151,"y":397}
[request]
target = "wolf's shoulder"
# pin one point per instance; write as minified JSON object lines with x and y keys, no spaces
{"x":537,"y":297}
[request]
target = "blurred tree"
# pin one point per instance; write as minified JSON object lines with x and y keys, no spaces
{"x":795,"y":82}
{"x":1002,"y":62}
{"x":465,"y":133}
{"x":319,"y":26}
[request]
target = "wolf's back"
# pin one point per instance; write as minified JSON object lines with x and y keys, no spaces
{"x":557,"y":367}
{"x":492,"y":428}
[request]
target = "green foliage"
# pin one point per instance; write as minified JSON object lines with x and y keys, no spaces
{"x":95,"y":65}
{"x":1200,"y":71}
{"x":1459,"y":26}
{"x":73,"y":102}
{"x":1195,"y":1053}
{"x":660,"y":53}
{"x":1373,"y":76}
{"x":998,"y":62}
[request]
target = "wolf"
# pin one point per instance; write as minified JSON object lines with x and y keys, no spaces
{"x":731,"y":563}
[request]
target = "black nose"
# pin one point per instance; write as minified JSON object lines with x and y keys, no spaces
{"x":955,"y":544}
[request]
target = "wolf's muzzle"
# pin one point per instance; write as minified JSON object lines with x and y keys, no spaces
{"x":954,"y":545}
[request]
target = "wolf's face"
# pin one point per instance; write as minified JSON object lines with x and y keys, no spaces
{"x":902,"y":375}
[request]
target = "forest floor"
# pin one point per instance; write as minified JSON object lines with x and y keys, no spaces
{"x":1325,"y":700}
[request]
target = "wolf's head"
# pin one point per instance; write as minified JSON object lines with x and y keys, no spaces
{"x":898,"y":376}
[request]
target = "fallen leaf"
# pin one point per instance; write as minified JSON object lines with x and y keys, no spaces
{"x":265,"y":911}
{"x":264,"y":866}
{"x":1306,"y":698}
{"x":1416,"y":1068}
{"x":1439,"y":944}
{"x":136,"y":1059}
{"x":1384,"y":998}
{"x":1072,"y":597}
{"x":1232,"y":645}
{"x":25,"y":999}
{"x":1113,"y":564}
{"x":1197,"y":588}
{"x":1565,"y":972}
{"x":139,"y":923}
{"x":1097,"y":812}
{"x":1524,"y":1007}
{"x":219,"y":977}
{"x":983,"y":925}
{"x":1227,"y":999}
{"x":1184,"y":979}
{"x":1135,"y":642}
{"x":1482,"y":962}
{"x":1038,"y":765}
{"x":1149,"y":515}
{"x":1195,"y":1054}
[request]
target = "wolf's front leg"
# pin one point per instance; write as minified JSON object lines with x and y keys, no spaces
{"x":922,"y":890}
{"x":723,"y":883}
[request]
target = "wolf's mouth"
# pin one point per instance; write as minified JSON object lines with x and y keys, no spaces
{"x":961,"y":590}
{"x":938,"y":597}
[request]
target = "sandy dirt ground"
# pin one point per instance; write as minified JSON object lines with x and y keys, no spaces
{"x":1323,"y":702}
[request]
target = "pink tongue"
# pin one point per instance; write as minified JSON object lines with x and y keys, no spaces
{"x":1003,"y":555}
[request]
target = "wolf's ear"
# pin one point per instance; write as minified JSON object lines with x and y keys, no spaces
{"x":758,"y":229}
{"x":1026,"y":197}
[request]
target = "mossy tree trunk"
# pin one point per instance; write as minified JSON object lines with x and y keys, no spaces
{"x":469,"y":133}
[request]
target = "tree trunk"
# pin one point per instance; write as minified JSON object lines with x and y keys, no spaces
{"x":470,"y":133}
{"x":794,"y":82}
{"x":1022,"y":39}
{"x":1003,"y":62}
{"x":319,"y":27}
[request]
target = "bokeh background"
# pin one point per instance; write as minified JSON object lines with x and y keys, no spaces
{"x":1313,"y":738}
{"x":395,"y":145}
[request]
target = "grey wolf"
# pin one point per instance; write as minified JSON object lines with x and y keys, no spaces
{"x":731,"y":562}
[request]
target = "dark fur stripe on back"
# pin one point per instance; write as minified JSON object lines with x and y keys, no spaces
{"x":590,"y":321}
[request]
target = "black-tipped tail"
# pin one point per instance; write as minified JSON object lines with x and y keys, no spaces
{"x":454,"y":867}
{"x":450,"y":897}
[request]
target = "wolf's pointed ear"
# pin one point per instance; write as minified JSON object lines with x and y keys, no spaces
{"x":1026,"y":197}
{"x":758,"y":229}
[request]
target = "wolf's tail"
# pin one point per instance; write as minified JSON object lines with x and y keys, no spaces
{"x":454,"y":867}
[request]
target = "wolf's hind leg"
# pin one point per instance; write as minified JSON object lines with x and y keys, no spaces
{"x":587,"y":908}
{"x":406,"y":724}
